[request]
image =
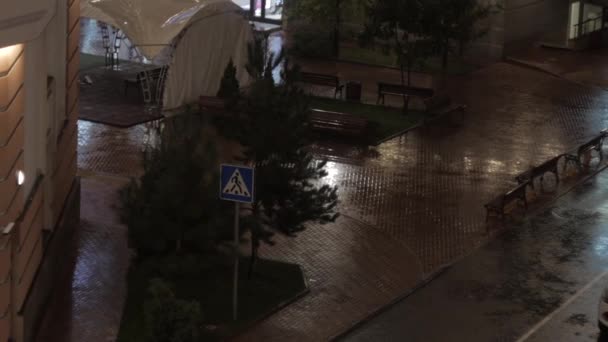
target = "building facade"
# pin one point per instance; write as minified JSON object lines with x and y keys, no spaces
{"x":39,"y":190}
{"x":519,"y":24}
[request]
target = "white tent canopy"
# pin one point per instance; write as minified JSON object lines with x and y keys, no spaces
{"x":213,"y":32}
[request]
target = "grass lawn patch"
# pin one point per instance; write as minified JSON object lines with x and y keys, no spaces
{"x":273,"y":285}
{"x":355,"y":53}
{"x":88,"y":61}
{"x":387,"y":121}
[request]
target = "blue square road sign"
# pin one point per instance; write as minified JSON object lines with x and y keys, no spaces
{"x":236,"y":183}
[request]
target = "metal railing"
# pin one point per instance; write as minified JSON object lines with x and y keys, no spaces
{"x":588,"y":26}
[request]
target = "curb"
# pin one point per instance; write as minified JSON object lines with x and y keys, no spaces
{"x":392,"y":303}
{"x":436,"y":274}
{"x":419,"y":124}
{"x":524,"y":64}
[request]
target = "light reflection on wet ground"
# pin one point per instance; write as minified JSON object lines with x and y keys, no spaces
{"x":501,"y":291}
{"x":421,"y":192}
{"x":427,"y":188}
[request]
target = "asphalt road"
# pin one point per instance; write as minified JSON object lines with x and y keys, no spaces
{"x":575,"y":320}
{"x":539,"y":281}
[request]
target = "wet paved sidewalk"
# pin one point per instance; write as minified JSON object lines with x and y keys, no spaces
{"x":426,"y":189}
{"x":503,"y":290}
{"x":587,"y":67}
{"x":575,"y":320}
{"x":87,"y":305}
{"x":422,"y":192}
{"x":410,"y":205}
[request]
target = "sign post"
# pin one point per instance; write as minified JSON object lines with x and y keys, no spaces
{"x":235,"y":280}
{"x":236,"y":185}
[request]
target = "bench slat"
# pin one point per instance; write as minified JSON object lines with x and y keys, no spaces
{"x":322,"y":120}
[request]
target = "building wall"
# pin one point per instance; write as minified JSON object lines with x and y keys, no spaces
{"x":12,"y":112}
{"x":528,"y":21}
{"x":38,"y":134}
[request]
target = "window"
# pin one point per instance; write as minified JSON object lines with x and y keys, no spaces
{"x":264,"y":10}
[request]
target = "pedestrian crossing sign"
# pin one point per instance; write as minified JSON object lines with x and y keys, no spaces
{"x":236,"y":183}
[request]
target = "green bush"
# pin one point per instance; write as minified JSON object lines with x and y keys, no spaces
{"x":311,"y":40}
{"x":169,"y":319}
{"x":174,"y":207}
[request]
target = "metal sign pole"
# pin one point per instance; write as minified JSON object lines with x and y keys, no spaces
{"x":237,"y":185}
{"x":235,"y":285}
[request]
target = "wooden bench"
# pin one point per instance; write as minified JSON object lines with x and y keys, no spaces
{"x":153,"y":75}
{"x":339,"y":123}
{"x":212,"y":103}
{"x":498,"y":204}
{"x":323,"y":80}
{"x":401,"y":90}
{"x":539,"y":171}
{"x":440,"y":105}
{"x":593,"y":144}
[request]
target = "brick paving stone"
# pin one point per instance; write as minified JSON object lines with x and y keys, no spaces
{"x":352,"y":271}
{"x":567,"y":64}
{"x":422,"y":193}
{"x":409,"y":205}
{"x":87,"y":305}
{"x":112,"y":150}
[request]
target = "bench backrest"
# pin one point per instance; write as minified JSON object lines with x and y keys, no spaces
{"x":593,"y":143}
{"x":517,"y":192}
{"x":524,"y":176}
{"x":403,"y":89}
{"x":320,"y":79}
{"x":549,"y":165}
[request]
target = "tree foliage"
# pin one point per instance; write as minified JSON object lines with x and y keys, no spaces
{"x":169,"y":319}
{"x":174,"y":204}
{"x":229,"y":86}
{"x":453,"y":24}
{"x":418,"y":29}
{"x":400,"y":24}
{"x":275,"y":135}
{"x":326,"y":14}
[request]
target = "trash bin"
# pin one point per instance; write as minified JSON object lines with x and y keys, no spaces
{"x":353,"y":91}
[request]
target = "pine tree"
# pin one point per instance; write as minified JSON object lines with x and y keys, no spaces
{"x":174,"y":206}
{"x":275,"y":134}
{"x":229,"y":86}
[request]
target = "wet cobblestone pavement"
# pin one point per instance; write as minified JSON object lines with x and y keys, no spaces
{"x":410,"y":205}
{"x":568,"y":64}
{"x":422,"y":193}
{"x":514,"y":287}
{"x":112,"y":150}
{"x":87,"y":304}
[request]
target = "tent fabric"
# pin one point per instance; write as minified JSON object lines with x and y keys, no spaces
{"x":205,"y":33}
{"x":153,"y":24}
{"x":201,"y":56}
